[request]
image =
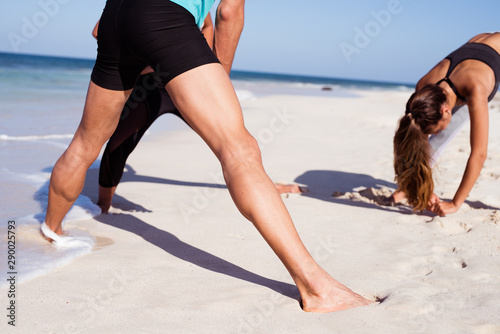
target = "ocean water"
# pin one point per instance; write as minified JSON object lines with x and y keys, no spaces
{"x":41,"y":101}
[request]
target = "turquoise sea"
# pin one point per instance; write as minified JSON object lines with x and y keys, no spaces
{"x":41,"y":101}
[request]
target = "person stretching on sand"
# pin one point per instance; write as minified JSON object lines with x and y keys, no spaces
{"x":466,"y":79}
{"x":148,"y":101}
{"x":165,"y":35}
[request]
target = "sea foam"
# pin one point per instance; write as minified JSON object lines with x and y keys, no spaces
{"x":34,"y":255}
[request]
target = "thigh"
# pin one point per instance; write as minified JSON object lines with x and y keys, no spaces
{"x":206,"y":99}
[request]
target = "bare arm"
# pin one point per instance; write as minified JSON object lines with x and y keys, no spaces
{"x":208,"y":30}
{"x":229,"y":21}
{"x":478,"y":109}
{"x":94,"y":32}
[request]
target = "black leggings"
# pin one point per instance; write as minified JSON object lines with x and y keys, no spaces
{"x":148,"y":101}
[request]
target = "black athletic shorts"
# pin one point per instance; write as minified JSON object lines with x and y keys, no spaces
{"x":133,"y":34}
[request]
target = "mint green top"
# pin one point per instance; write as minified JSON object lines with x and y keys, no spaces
{"x":199,"y":8}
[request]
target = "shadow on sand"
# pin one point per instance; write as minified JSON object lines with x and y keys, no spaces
{"x":321,"y":184}
{"x":129,"y":175}
{"x":173,"y":245}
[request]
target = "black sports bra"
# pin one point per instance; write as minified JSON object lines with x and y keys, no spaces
{"x":450,"y":83}
{"x":476,"y":51}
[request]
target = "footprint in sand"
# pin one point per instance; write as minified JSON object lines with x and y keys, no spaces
{"x":102,"y":242}
{"x":486,"y":329}
{"x":495,"y":217}
{"x":368,"y":195}
{"x":494,"y":176}
{"x":418,"y":265}
{"x":491,"y":176}
{"x":454,"y":227}
{"x":435,"y":258}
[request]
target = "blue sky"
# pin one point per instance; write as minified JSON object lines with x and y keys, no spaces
{"x":382,"y":40}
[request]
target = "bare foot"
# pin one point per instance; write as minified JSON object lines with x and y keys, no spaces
{"x":63,"y":233}
{"x":64,"y":240}
{"x":288,"y":188}
{"x":398,"y":197}
{"x":339,"y":299}
{"x":104,"y":207}
{"x":105,"y":197}
{"x":331,"y":296}
{"x":45,"y":237}
{"x":392,"y":200}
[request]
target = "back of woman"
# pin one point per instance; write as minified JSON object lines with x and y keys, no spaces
{"x":468,"y":76}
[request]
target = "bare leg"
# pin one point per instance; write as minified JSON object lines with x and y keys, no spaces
{"x":105,"y":197}
{"x":100,"y":117}
{"x":288,"y":188}
{"x":207,"y":100}
{"x":398,"y":197}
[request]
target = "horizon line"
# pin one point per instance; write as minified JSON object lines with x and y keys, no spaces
{"x":308,"y":76}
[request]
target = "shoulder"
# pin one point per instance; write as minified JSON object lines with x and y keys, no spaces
{"x":437,"y":73}
{"x":475,"y":90}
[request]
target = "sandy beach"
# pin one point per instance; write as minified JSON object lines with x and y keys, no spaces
{"x":176,"y":256}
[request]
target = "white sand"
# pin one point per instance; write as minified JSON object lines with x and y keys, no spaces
{"x":177,"y":257}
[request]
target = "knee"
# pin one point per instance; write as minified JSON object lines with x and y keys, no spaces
{"x":244,"y":153}
{"x":82,"y":153}
{"x":88,"y":142}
